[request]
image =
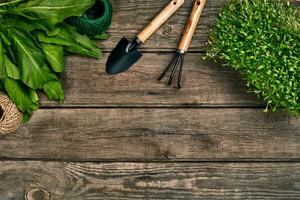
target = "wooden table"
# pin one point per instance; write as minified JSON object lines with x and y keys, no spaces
{"x":130,"y":137}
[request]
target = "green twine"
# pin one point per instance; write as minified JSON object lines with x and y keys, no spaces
{"x":96,"y":20}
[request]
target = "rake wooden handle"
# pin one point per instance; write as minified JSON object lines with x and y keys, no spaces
{"x":160,"y":19}
{"x":191,"y":25}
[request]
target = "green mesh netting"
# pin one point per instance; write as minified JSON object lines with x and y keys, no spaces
{"x":96,"y":20}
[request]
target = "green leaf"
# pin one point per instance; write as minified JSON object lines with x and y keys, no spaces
{"x":2,"y":64}
{"x":10,"y":3}
{"x":27,"y":26}
{"x":72,"y":41}
{"x":24,"y":97}
{"x":61,"y":38}
{"x":2,"y":11}
{"x":103,"y":36}
{"x":1,"y":86}
{"x":5,"y":40}
{"x":7,"y":68}
{"x":55,"y":56}
{"x":32,"y":44}
{"x":54,"y":91}
{"x":34,"y":70}
{"x":51,"y":12}
{"x":82,"y":45}
{"x":12,"y":70}
{"x":26,"y":117}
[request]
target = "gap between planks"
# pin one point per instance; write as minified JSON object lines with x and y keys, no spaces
{"x":165,"y":161}
{"x":154,"y":106}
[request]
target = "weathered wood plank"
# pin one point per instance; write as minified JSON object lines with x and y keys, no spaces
{"x":205,"y":84}
{"x":130,"y":17}
{"x":155,"y":134}
{"x":77,"y":181}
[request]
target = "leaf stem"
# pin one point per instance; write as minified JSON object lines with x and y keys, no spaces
{"x":10,"y":3}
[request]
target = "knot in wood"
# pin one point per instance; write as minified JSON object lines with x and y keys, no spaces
{"x":37,"y":194}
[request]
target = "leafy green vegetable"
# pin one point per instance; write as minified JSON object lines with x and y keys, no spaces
{"x":34,"y":70}
{"x":103,"y":36}
{"x":11,"y":70}
{"x":10,"y":3}
{"x":82,"y":45}
{"x":2,"y":67}
{"x":1,"y":86}
{"x":24,"y":97}
{"x":72,"y":41}
{"x":261,"y":39}
{"x":33,"y":39}
{"x":7,"y":68}
{"x":55,"y":56}
{"x":50,"y":12}
{"x":4,"y":39}
{"x":25,"y":24}
{"x":54,"y":91}
{"x":60,"y":38}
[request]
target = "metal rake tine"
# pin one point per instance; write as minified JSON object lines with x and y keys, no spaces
{"x":167,"y":68}
{"x":174,"y":70}
{"x":180,"y":72}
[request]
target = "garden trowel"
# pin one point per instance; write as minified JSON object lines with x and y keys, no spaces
{"x":126,"y":52}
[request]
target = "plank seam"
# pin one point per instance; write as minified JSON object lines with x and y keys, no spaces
{"x":246,"y":160}
{"x":199,"y":106}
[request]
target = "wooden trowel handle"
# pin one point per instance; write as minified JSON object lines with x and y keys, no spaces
{"x":191,"y":25}
{"x":160,"y":19}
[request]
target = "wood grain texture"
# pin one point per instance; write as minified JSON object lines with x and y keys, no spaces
{"x":166,"y":131}
{"x":205,"y":83}
{"x":115,"y":181}
{"x":155,"y":135}
{"x":160,"y":19}
{"x":130,"y":17}
{"x":37,"y":194}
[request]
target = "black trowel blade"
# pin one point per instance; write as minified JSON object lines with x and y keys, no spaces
{"x":122,"y":57}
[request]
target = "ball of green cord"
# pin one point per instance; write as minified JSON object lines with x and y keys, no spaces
{"x":96,"y":20}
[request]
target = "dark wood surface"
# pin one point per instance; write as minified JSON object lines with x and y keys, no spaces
{"x":131,"y":137}
{"x":114,"y":181}
{"x":205,"y":84}
{"x":155,"y":134}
